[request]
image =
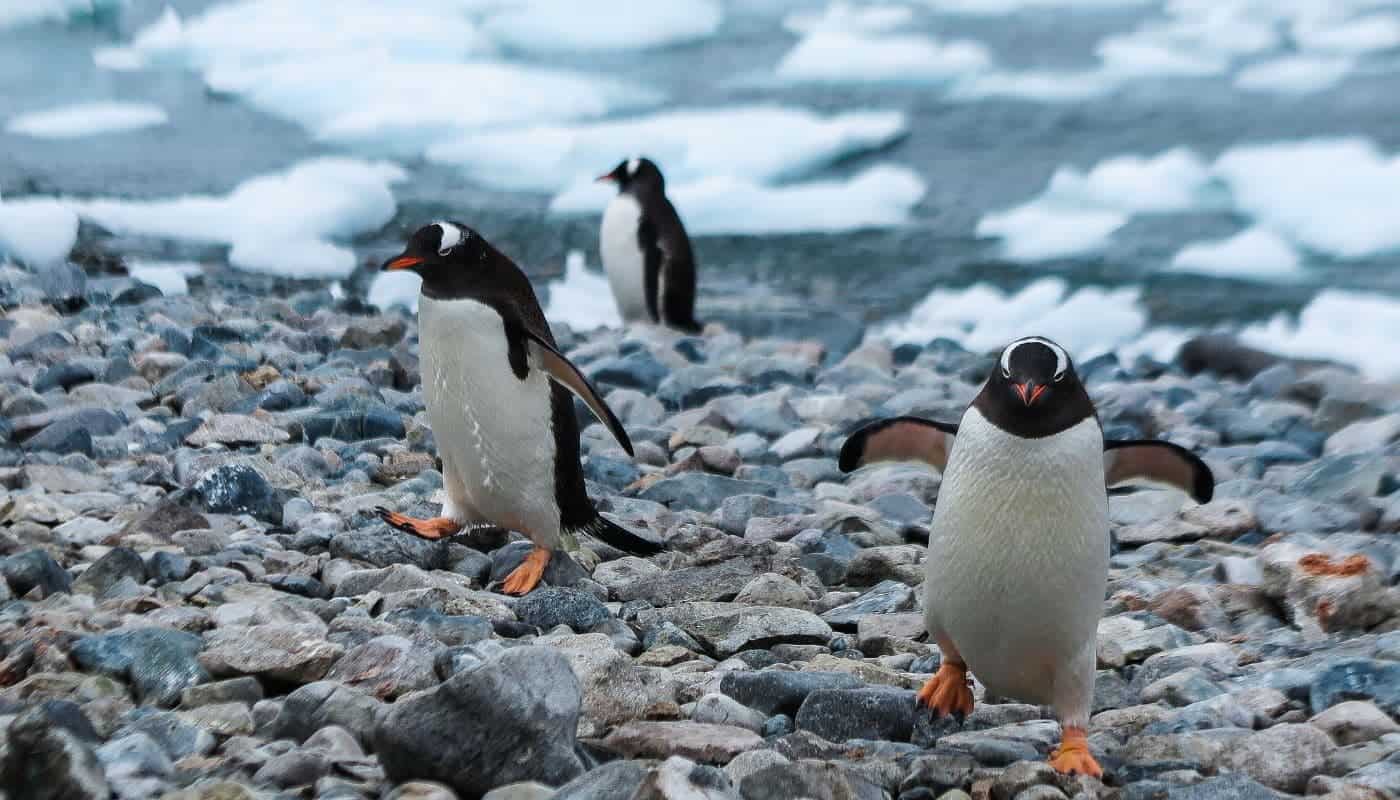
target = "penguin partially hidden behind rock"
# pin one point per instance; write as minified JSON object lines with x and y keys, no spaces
{"x":1018,"y":550}
{"x":646,"y":252}
{"x":500,"y":399}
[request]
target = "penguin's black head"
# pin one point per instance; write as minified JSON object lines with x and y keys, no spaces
{"x":636,"y":174}
{"x":439,"y":247}
{"x":1034,"y":390}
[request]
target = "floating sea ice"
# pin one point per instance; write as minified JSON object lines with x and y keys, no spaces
{"x":14,"y":13}
{"x":841,"y":16}
{"x":86,"y":119}
{"x":1087,"y":321}
{"x":1002,"y":7}
{"x":568,"y":25}
{"x":1144,"y":56}
{"x":582,"y":298}
{"x":1360,"y":35}
{"x":836,"y":56}
{"x":763,"y":143}
{"x":1255,"y":253}
{"x":278,"y":223}
{"x":1336,"y":196}
{"x":881,"y":196}
{"x":1348,"y":327}
{"x":37,"y":230}
{"x":170,"y":277}
{"x":1300,"y":74}
{"x":1170,"y":181}
{"x":1038,"y":85}
{"x":1038,"y":230}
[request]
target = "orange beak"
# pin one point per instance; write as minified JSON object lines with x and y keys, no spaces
{"x":403,"y":262}
{"x":602,"y":178}
{"x":1029,"y":392}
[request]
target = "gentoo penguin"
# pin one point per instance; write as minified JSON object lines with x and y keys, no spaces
{"x":1018,"y":551}
{"x":645,"y":250}
{"x":499,"y":399}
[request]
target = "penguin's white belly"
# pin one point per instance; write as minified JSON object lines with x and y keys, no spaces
{"x":493,"y":430}
{"x":623,"y":259}
{"x":1018,"y":558}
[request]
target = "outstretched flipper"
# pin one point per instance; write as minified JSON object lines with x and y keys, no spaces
{"x":899,"y":439}
{"x":1158,"y":462}
{"x":563,"y":372}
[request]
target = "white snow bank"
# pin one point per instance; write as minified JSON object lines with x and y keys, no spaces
{"x":843,"y":55}
{"x":568,"y":25}
{"x":1336,"y":196}
{"x":14,"y":13}
{"x":37,"y":230}
{"x":388,"y":77}
{"x":86,"y":119}
{"x":582,"y":298}
{"x":881,"y":196}
{"x":1349,"y":327}
{"x":278,"y":223}
{"x":763,"y":143}
{"x":398,"y":288}
{"x":170,"y":277}
{"x":1079,"y":211}
{"x":1088,"y":321}
{"x":1299,"y":74}
{"x":1255,"y":253}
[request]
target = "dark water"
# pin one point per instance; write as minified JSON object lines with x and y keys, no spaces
{"x":974,"y":156}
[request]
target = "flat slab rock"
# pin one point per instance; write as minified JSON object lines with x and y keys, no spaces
{"x":728,"y":628}
{"x":698,"y":741}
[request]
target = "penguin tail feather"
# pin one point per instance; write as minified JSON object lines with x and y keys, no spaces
{"x":619,"y":537}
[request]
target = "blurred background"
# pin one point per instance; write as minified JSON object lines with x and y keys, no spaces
{"x":1117,"y":174}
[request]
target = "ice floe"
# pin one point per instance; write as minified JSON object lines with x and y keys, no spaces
{"x":1088,"y":321}
{"x":842,"y":16}
{"x":14,"y":13}
{"x":36,"y":230}
{"x":1349,"y":327}
{"x":1255,"y":254}
{"x":1039,"y":231}
{"x":86,"y":119}
{"x":1003,"y":7}
{"x":281,"y":223}
{"x":1299,"y":74}
{"x":569,"y":25}
{"x":170,"y":277}
{"x":582,"y":298}
{"x":833,"y":55}
{"x":763,"y":143}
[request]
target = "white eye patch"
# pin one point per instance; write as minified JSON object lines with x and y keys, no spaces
{"x":451,"y":237}
{"x":1061,"y":357}
{"x":633,"y":164}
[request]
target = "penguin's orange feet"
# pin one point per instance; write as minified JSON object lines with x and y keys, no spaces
{"x":435,"y":528}
{"x":948,"y":692}
{"x":527,"y":576}
{"x":1072,"y":757}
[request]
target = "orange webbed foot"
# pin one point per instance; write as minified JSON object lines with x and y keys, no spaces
{"x":435,"y":528}
{"x":1072,"y":757}
{"x":527,"y":576}
{"x":948,"y":692}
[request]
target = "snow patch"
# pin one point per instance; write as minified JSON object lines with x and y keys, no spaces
{"x":833,"y":55}
{"x":170,"y":277}
{"x":1255,"y":254}
{"x":1039,"y":231}
{"x":550,"y":26}
{"x":582,"y":298}
{"x":762,"y":143}
{"x":86,"y":119}
{"x":37,"y":230}
{"x":1348,"y":327}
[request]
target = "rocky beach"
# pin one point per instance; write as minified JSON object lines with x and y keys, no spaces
{"x":199,"y":603}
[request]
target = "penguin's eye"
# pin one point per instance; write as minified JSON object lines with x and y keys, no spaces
{"x":1059,"y":376}
{"x":444,"y":251}
{"x":1005,"y":373}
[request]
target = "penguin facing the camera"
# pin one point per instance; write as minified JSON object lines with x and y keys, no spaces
{"x":646,"y":252}
{"x":499,"y":396}
{"x":1018,"y":550}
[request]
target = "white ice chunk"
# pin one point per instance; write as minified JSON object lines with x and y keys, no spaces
{"x":1170,"y":181}
{"x":1336,"y":196}
{"x":761,"y":143}
{"x":1038,"y":231}
{"x":1349,"y":327}
{"x":841,"y":16}
{"x":1138,"y":56}
{"x":397,"y":288}
{"x":568,"y":25}
{"x":1041,"y":86}
{"x":1255,"y":254}
{"x":881,"y":196}
{"x":277,"y":223}
{"x":14,"y":13}
{"x":837,"y":55}
{"x":1295,"y":74}
{"x":1003,"y":7}
{"x":582,"y":298}
{"x":1087,"y":321}
{"x":86,"y":119}
{"x":118,"y":59}
{"x":170,"y":277}
{"x":1361,"y":35}
{"x":37,"y":231}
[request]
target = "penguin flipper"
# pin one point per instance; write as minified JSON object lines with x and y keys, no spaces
{"x":899,"y":439}
{"x":1158,"y":462}
{"x":621,"y":538}
{"x":563,"y":371}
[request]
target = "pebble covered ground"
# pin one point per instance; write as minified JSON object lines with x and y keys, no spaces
{"x":199,"y":604}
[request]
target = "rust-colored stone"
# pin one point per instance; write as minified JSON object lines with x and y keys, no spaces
{"x":1320,"y":564}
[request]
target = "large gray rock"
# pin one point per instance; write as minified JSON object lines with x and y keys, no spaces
{"x":298,"y":653}
{"x":49,"y":762}
{"x":510,"y":719}
{"x":159,"y":663}
{"x":781,"y":692}
{"x":841,"y":714}
{"x":1283,"y":757}
{"x":386,"y":667}
{"x":728,"y":628}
